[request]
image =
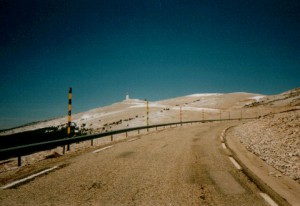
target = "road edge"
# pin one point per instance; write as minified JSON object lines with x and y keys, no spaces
{"x":260,"y":180}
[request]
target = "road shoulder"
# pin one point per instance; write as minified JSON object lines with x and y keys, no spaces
{"x":283,"y":190}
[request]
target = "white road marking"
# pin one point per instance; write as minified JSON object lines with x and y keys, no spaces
{"x":104,"y":148}
{"x":224,"y":146}
{"x":235,"y":163}
{"x":28,"y":178}
{"x":268,"y":199}
{"x":132,"y":140}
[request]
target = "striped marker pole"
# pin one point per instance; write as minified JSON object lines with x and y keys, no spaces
{"x":69,"y":115}
{"x":180,"y":116}
{"x":147,"y":119}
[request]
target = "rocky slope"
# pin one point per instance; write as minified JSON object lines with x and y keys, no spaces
{"x":289,"y":98}
{"x":276,"y":140}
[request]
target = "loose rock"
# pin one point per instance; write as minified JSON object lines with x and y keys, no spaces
{"x":276,"y":140}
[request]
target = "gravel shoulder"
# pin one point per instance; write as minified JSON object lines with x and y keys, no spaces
{"x":276,"y":140}
{"x":253,"y":157}
{"x":259,"y":171}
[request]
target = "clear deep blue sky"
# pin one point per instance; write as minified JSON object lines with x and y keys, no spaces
{"x":154,"y":49}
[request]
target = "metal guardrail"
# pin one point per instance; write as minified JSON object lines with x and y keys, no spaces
{"x":24,"y":150}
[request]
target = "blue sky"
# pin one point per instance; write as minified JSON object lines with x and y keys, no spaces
{"x":154,"y":49}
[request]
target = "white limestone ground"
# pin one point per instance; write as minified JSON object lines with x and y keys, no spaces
{"x":131,"y":108}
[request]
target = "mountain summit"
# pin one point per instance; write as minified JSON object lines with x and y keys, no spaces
{"x":132,"y":112}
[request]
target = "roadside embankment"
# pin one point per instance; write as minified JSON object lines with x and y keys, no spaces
{"x":276,"y":140}
{"x":268,"y":150}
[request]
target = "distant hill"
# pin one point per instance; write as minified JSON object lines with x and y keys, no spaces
{"x":132,"y":112}
{"x":289,"y":98}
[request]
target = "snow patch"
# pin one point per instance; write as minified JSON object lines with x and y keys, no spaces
{"x":86,"y":116}
{"x":95,"y":116}
{"x":133,"y":101}
{"x":199,"y":109}
{"x":151,"y":104}
{"x":204,"y":95}
{"x":257,"y":98}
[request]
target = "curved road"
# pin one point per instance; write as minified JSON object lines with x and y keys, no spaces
{"x":179,"y":166}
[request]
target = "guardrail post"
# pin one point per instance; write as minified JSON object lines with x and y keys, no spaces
{"x":92,"y":142}
{"x":126,"y":134}
{"x":19,"y":161}
{"x":111,"y":138}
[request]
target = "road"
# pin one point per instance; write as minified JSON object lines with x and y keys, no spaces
{"x":178,"y":166}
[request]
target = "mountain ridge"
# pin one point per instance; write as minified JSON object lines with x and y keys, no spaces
{"x":132,"y":112}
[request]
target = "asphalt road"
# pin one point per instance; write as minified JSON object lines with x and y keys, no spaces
{"x":179,"y":166}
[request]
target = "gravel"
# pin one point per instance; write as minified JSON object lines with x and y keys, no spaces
{"x":276,"y":140}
